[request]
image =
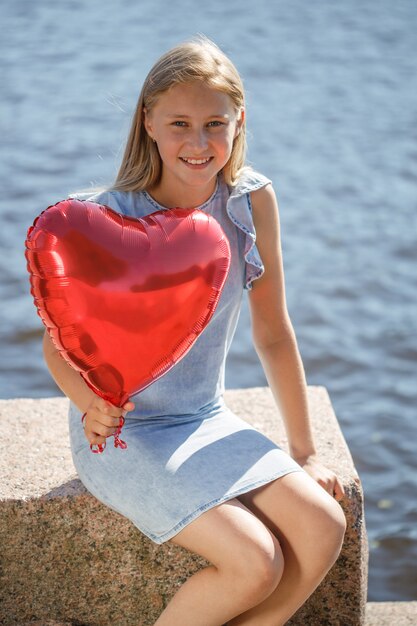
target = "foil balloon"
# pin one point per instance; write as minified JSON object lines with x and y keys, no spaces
{"x":124,"y":299}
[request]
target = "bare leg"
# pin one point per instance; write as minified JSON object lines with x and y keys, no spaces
{"x":310,"y":526}
{"x":247,"y":566}
{"x":249,"y":584}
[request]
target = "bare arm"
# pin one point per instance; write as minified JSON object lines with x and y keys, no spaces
{"x":67,"y":379}
{"x":275,"y":342}
{"x":102,"y":418}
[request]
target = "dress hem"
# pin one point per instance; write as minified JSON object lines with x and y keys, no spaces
{"x":160,"y":539}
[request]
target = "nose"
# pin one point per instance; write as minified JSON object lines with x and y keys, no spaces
{"x":198,"y":141}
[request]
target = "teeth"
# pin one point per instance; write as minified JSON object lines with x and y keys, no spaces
{"x":196,"y":161}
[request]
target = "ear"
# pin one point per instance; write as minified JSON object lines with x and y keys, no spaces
{"x":240,"y":121}
{"x":147,"y":122}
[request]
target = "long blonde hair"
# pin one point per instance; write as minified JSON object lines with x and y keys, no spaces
{"x":199,"y":59}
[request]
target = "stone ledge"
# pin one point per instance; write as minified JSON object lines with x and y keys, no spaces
{"x":377,"y":614}
{"x":391,"y":614}
{"x":66,"y":558}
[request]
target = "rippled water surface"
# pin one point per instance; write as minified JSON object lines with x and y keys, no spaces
{"x":331,"y":90}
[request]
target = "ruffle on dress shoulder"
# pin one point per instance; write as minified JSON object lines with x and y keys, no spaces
{"x":239,"y":209}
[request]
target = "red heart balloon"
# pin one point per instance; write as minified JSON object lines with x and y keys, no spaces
{"x":124,"y":299}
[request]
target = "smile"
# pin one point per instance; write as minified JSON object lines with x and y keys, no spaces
{"x":196,"y":161}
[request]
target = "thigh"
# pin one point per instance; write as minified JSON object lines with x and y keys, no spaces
{"x":295,"y":507}
{"x":229,"y":535}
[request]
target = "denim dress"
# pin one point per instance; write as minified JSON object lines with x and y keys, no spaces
{"x":187,"y":451}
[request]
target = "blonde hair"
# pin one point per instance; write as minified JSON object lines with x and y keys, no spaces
{"x":199,"y":59}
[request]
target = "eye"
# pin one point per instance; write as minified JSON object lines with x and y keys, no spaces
{"x":215,"y":123}
{"x":179,"y":123}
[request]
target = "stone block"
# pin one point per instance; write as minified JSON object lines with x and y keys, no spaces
{"x":67,"y":559}
{"x":391,"y":614}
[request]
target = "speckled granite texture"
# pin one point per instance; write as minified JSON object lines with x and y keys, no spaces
{"x":67,"y":559}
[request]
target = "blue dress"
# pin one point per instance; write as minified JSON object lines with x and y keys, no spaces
{"x":187,"y":451}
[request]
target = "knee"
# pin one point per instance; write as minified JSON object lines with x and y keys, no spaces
{"x":330,"y":528}
{"x":267,"y":568}
{"x":260,"y":569}
{"x":337,"y":523}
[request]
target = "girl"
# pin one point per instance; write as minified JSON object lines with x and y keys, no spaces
{"x":194,"y":473}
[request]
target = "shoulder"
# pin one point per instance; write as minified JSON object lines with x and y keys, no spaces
{"x":264,"y":204}
{"x":265,"y":215}
{"x":104,"y":197}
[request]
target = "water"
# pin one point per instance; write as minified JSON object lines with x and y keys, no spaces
{"x":331,"y":90}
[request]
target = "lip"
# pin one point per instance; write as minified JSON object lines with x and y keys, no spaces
{"x":196,"y":166}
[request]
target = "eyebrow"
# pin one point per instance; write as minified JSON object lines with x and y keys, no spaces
{"x":180,"y":115}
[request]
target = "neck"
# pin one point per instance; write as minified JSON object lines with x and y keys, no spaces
{"x":182,"y":197}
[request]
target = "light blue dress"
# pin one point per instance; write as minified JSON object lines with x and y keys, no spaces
{"x":187,"y":451}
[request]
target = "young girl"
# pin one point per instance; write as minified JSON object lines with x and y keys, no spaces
{"x":194,"y":473}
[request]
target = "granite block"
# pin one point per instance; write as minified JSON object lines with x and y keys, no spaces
{"x":68,"y":559}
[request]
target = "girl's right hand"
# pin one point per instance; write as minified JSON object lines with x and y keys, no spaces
{"x":102,"y":419}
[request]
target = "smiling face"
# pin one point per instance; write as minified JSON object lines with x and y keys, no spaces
{"x":194,"y":127}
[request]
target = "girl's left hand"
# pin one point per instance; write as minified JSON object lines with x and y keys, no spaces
{"x":324,"y":476}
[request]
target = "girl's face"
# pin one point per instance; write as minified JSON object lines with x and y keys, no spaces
{"x":194,"y":127}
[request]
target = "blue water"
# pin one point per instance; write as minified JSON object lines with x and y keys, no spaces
{"x":331,"y":96}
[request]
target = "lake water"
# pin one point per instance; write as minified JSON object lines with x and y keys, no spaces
{"x":331,"y":96}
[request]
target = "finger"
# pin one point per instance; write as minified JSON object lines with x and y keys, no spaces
{"x":112,"y":411}
{"x":109,"y":422}
{"x":327,"y":485}
{"x":102,"y":425}
{"x":95,"y":416}
{"x":128,"y":406}
{"x":339,"y":491}
{"x":118,"y":415}
{"x":98,"y":448}
{"x":103,"y":430}
{"x":100,"y":405}
{"x":95,"y":439}
{"x":330,"y":489}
